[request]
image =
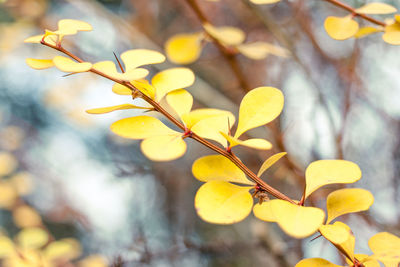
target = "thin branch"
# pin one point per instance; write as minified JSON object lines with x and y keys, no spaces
{"x":353,"y":11}
{"x":269,"y":189}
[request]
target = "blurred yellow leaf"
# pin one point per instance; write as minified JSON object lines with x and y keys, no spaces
{"x":67,"y":249}
{"x":335,"y":233}
{"x":296,"y":221}
{"x":315,"y":262}
{"x":197,"y":115}
{"x":269,"y":162}
{"x":8,"y":163}
{"x":138,"y":57}
{"x":256,"y":143}
{"x":386,"y":248}
{"x":26,"y":258}
{"x":50,"y":39}
{"x":221,"y":202}
{"x":184,"y":48}
{"x":261,"y":2}
{"x":211,"y":128}
{"x":140,"y":127}
{"x":25,"y":216}
{"x":392,"y":33}
{"x":22,"y":183}
{"x":6,"y":247}
{"x":362,"y":32}
{"x":341,"y":28}
{"x":172,"y":79}
{"x":93,"y":261}
{"x":226,"y":35}
{"x":39,"y":64}
{"x":180,"y":101}
{"x":32,"y":238}
{"x":68,"y":65}
{"x":260,"y":50}
{"x":120,"y":89}
{"x":217,"y":167}
{"x":258,"y":107}
{"x":8,"y":195}
{"x":109,"y":68}
{"x":324,"y":172}
{"x":113,"y":108}
{"x":164,"y":147}
{"x":347,"y":200}
{"x":376,"y":8}
{"x":72,"y":26}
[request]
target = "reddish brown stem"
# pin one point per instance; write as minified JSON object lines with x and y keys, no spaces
{"x":266,"y":187}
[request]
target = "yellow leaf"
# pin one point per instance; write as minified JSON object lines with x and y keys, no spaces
{"x":25,"y":216}
{"x":376,"y":8}
{"x":8,"y":163}
{"x":258,"y":107}
{"x":145,"y":87}
{"x":197,"y":115}
{"x":67,"y":249}
{"x":362,"y":32}
{"x":341,"y":28}
{"x":68,"y":65}
{"x":50,"y":39}
{"x":264,"y":211}
{"x":172,"y":79}
{"x":296,"y":221}
{"x":8,"y":195}
{"x":113,"y":108}
{"x":39,"y":64}
{"x":32,"y":238}
{"x":315,"y":262}
{"x":109,"y":68}
{"x":348,"y":245}
{"x":164,"y":147}
{"x":6,"y":247}
{"x":392,"y":33}
{"x":260,"y":50}
{"x":93,"y":261}
{"x":22,"y":183}
{"x":269,"y":162}
{"x":138,"y":57}
{"x":226,"y":35}
{"x":120,"y":89}
{"x":255,"y":143}
{"x":324,"y":172}
{"x":221,"y":202}
{"x":211,"y":128}
{"x":261,"y":2}
{"x":347,"y":200}
{"x":180,"y":101}
{"x":217,"y":167}
{"x":72,"y":26}
{"x":366,"y":260}
{"x":385,"y":247}
{"x":184,"y":48}
{"x":335,"y":233}
{"x":140,"y":127}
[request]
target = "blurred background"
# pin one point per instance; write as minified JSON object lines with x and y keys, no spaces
{"x":107,"y":205}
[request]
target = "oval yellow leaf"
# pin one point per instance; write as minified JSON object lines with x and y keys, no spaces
{"x":217,"y":167}
{"x":180,"y":101}
{"x":315,"y":262}
{"x":68,"y":65}
{"x":264,"y":211}
{"x":50,"y":39}
{"x":72,"y":26}
{"x":25,"y":216}
{"x":32,"y":238}
{"x":260,"y":50}
{"x":269,"y":162}
{"x":138,"y":57}
{"x":335,"y":233}
{"x":184,"y":48}
{"x":392,"y":34}
{"x":258,"y":107}
{"x":197,"y":115}
{"x":140,"y":127}
{"x":221,"y":202}
{"x":145,"y":87}
{"x":368,"y":261}
{"x":376,"y":9}
{"x":341,"y":28}
{"x":347,"y":200}
{"x":164,"y":147}
{"x":385,"y":247}
{"x":324,"y":172}
{"x":172,"y":79}
{"x":39,"y":64}
{"x":348,"y":245}
{"x":211,"y":128}
{"x":226,"y":35}
{"x":256,"y":143}
{"x":113,"y":108}
{"x":365,"y":31}
{"x":66,"y":249}
{"x":120,"y":89}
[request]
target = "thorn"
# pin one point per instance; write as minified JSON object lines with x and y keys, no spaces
{"x":315,"y":238}
{"x":229,"y":127}
{"x":119,"y":63}
{"x":69,"y":74}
